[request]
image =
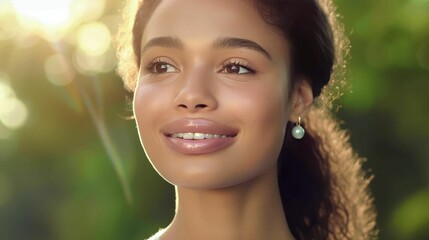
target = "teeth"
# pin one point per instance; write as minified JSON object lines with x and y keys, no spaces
{"x":197,"y":136}
{"x":177,"y":135}
{"x":188,"y":136}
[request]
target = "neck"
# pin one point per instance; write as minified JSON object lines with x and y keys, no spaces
{"x":252,"y":210}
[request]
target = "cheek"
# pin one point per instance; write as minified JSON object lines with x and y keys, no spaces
{"x":151,"y":103}
{"x":147,"y":105}
{"x":262,"y":112}
{"x":264,"y":107}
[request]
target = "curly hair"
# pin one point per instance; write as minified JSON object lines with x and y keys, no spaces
{"x":323,"y":188}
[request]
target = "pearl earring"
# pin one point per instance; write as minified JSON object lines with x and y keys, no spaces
{"x":298,"y":131}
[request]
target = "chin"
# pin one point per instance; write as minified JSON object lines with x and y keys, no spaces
{"x":209,"y":176}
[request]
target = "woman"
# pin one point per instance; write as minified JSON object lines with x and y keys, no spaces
{"x":227,"y":106}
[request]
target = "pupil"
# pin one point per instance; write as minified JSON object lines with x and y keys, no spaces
{"x":233,"y":69}
{"x":161,"y":68}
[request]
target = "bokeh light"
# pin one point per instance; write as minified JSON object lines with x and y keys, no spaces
{"x":13,"y":113}
{"x":90,"y":65}
{"x":94,"y":38}
{"x":6,"y":90}
{"x":94,"y":53}
{"x":50,"y":18}
{"x":84,"y":10}
{"x":53,"y":19}
{"x":50,"y":13}
{"x":7,"y":30}
{"x":58,"y":70}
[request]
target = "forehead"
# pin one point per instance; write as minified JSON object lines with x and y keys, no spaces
{"x":206,"y":20}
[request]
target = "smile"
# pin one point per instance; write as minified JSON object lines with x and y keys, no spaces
{"x":198,"y":136}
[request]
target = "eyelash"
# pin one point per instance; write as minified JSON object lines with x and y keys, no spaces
{"x":149,"y":67}
{"x":239,"y":64}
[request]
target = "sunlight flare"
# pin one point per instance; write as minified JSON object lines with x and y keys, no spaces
{"x":48,"y":13}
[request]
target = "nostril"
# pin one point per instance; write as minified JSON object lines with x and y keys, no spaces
{"x":201,"y":106}
{"x":192,"y":107}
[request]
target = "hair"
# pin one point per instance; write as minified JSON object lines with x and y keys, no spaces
{"x":323,"y":188}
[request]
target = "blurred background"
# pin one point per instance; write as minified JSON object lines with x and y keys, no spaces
{"x":71,"y":166}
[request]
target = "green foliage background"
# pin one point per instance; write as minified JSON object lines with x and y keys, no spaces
{"x":65,"y":173}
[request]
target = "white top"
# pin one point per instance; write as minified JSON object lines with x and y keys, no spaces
{"x":157,"y":235}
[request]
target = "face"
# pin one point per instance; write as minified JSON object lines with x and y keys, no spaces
{"x":211,"y":103}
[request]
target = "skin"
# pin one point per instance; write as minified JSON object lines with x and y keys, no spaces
{"x":234,"y":189}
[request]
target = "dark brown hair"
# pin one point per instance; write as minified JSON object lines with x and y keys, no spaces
{"x":323,"y":189}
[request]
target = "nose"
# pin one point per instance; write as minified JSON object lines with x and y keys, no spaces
{"x":196,"y":93}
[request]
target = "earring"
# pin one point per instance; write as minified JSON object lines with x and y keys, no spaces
{"x":298,"y":131}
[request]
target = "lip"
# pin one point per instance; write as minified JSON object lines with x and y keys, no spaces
{"x":198,"y":146}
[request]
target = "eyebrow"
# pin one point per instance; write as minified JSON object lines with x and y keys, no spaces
{"x":167,"y":42}
{"x":230,"y":42}
{"x":225,"y":42}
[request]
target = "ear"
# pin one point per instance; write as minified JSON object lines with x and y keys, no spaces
{"x":301,"y":101}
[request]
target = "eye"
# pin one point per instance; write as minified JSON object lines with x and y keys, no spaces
{"x":159,"y":66}
{"x":236,"y":68}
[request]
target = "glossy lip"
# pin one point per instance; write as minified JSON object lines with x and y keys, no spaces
{"x":194,"y":146}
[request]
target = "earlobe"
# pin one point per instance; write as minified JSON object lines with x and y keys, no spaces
{"x":301,"y":101}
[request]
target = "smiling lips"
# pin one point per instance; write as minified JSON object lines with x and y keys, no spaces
{"x":198,"y":136}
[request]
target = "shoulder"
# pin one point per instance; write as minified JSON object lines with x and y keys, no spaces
{"x":157,"y":235}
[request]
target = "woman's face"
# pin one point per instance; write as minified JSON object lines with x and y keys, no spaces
{"x":211,"y":103}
